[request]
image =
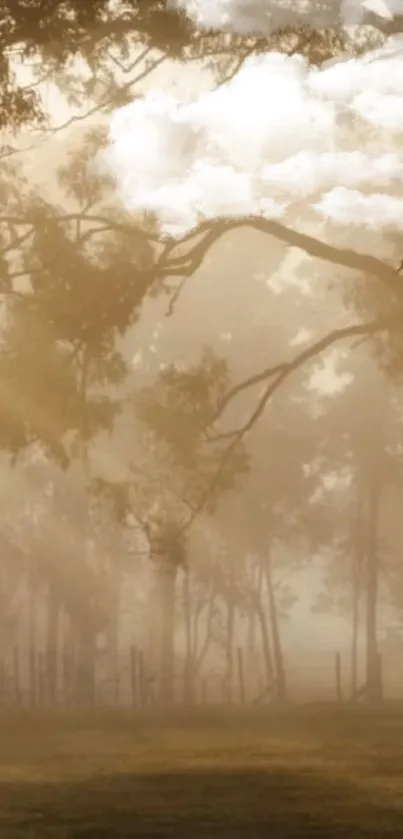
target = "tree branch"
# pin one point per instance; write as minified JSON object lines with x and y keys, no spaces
{"x":278,"y":374}
{"x":187,"y":264}
{"x":106,"y":102}
{"x":90,"y":218}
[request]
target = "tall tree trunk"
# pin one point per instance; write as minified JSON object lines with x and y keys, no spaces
{"x":69,"y":658}
{"x":199,"y":653}
{"x":266,"y":644}
{"x":229,"y":645}
{"x":52,"y":643}
{"x":251,"y":641}
{"x":32,"y":591}
{"x":161,"y":652}
{"x":111,"y":666}
{"x":3,"y":601}
{"x":251,"y":658}
{"x":355,"y":629}
{"x":85,"y":664}
{"x":85,"y":677}
{"x":188,"y":686}
{"x":281,"y":686}
{"x":356,"y":581}
{"x":251,"y":644}
{"x":112,"y":629}
{"x":167,"y":579}
{"x":373,"y":674}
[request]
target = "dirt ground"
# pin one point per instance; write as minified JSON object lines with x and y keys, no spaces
{"x":311,"y":773}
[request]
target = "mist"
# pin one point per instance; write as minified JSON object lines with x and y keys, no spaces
{"x":325,"y":154}
{"x":201,"y":405}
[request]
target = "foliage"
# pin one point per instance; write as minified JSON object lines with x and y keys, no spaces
{"x":71,"y":292}
{"x":177,"y":409}
{"x":173,"y":471}
{"x":61,"y":32}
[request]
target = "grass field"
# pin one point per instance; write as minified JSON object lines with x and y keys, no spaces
{"x":92,"y":775}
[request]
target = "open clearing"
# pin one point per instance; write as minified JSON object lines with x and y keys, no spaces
{"x":311,"y":773}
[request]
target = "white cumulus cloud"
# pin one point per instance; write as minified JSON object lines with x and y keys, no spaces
{"x":261,"y":17}
{"x":280,"y":132}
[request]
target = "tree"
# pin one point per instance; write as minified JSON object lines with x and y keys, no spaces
{"x":360,"y":442}
{"x":169,"y":482}
{"x":104,"y":34}
{"x":252,"y":206}
{"x":70,"y":29}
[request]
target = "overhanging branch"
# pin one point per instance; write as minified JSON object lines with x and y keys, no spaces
{"x":189,"y":262}
{"x":278,"y":374}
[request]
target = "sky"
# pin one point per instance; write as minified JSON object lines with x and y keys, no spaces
{"x":328,"y":138}
{"x":261,"y":17}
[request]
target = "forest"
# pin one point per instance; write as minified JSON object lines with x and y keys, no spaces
{"x":201,"y":413}
{"x":202,"y":429}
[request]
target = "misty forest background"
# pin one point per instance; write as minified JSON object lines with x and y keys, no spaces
{"x":202,"y":460}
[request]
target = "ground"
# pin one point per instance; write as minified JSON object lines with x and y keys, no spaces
{"x":91,"y":775}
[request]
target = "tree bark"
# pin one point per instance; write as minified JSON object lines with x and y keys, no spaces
{"x":373,"y":675}
{"x":52,"y":643}
{"x":356,"y":582}
{"x":32,"y":636}
{"x":167,"y":574}
{"x":281,"y":686}
{"x":267,"y":651}
{"x":85,"y":665}
{"x":69,"y":656}
{"x":252,"y":644}
{"x":188,"y":678}
{"x":111,"y":632}
{"x":229,"y":645}
{"x":199,"y":654}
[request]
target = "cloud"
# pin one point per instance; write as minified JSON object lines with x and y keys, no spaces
{"x":261,"y":17}
{"x":278,"y":133}
{"x":348,"y":206}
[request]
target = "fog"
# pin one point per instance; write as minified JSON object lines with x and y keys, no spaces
{"x":323,"y":156}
